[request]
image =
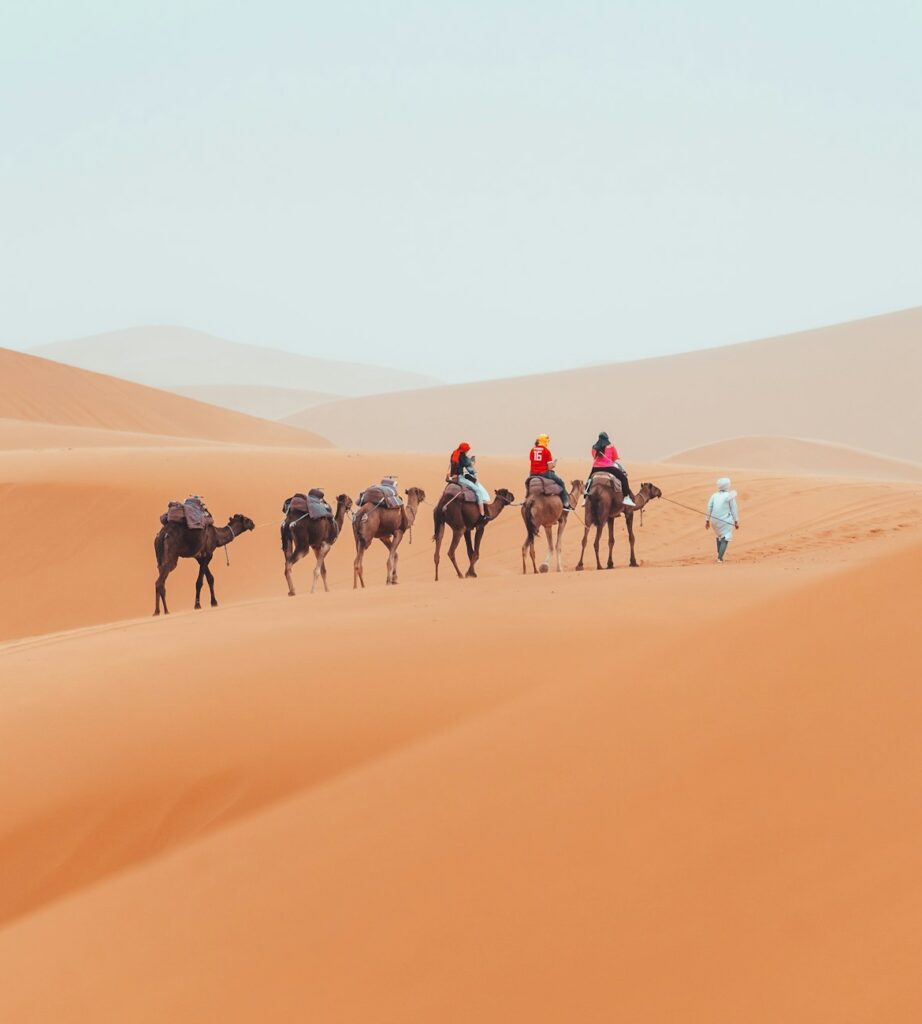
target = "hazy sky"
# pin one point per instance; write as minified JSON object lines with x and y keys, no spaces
{"x":466,"y":189}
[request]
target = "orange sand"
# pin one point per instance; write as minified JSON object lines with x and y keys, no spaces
{"x":679,"y":793}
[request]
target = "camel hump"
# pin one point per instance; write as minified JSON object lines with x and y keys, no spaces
{"x":542,"y":485}
{"x":453,"y":491}
{"x":311,"y":504}
{"x":193,"y":512}
{"x":606,"y":480}
{"x":377,"y":495}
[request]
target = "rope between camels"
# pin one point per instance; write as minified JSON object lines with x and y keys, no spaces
{"x":697,"y":511}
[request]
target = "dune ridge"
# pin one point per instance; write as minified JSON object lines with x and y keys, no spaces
{"x":840,"y":384}
{"x":797,"y":455}
{"x":167,"y":357}
{"x":39,"y":390}
{"x":270,"y":403}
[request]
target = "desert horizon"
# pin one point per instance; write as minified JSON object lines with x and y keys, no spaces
{"x":461,"y":495}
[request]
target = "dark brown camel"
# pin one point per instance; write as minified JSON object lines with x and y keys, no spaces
{"x":176,"y":540}
{"x":387,"y":525}
{"x":604,"y":503}
{"x":301,"y":534}
{"x":463,"y":517}
{"x":539,"y":510}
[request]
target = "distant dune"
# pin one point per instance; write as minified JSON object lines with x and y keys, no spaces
{"x":176,"y":357}
{"x":855,"y":384}
{"x":40,"y":390}
{"x":787,"y":455}
{"x":257,"y":400}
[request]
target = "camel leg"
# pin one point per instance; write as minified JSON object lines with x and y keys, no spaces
{"x":611,"y":543}
{"x":549,"y":534}
{"x":160,"y":586}
{"x":473,"y":551}
{"x":559,"y":548}
{"x":436,"y":558}
{"x":389,"y":544}
{"x":453,"y":547}
{"x":200,"y":579}
{"x":595,"y":545}
{"x":579,"y":564}
{"x":209,"y":576}
{"x":290,"y":562}
{"x":629,"y":521}
{"x":320,"y":553}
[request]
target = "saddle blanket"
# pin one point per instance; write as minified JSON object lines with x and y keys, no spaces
{"x":375,"y":495}
{"x":451,"y":493}
{"x":192,"y":512}
{"x":604,"y":480}
{"x":536,"y":485}
{"x":311,"y":504}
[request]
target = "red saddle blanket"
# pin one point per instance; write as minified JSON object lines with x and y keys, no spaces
{"x":455,"y":492}
{"x":192,"y":512}
{"x":538,"y":485}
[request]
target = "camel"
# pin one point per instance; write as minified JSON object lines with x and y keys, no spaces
{"x":387,"y":525}
{"x":301,"y":534}
{"x":176,"y":540}
{"x":604,"y":504}
{"x":540,"y":511}
{"x":463,"y":517}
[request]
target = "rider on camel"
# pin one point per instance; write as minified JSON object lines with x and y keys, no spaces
{"x":543,"y":464}
{"x":463,"y":471}
{"x":605,"y":460}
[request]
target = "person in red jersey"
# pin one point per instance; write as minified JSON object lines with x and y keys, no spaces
{"x":543,"y":464}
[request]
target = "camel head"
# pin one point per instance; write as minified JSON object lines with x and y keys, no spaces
{"x":506,"y":497}
{"x":344,"y":500}
{"x":576,"y":485}
{"x":416,"y":492}
{"x":240,"y":524}
{"x":650,"y":491}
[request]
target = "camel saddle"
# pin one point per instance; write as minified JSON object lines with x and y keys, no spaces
{"x":538,"y":485}
{"x":311,"y":504}
{"x":192,"y":512}
{"x":376,"y":495}
{"x":606,"y":480}
{"x":452,"y":491}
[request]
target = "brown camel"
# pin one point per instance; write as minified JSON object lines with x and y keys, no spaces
{"x":463,"y":517}
{"x":604,"y":503}
{"x":176,"y":540}
{"x":387,"y":525}
{"x":539,"y":510}
{"x":301,"y":534}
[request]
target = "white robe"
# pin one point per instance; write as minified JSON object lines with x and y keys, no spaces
{"x":723,"y":513}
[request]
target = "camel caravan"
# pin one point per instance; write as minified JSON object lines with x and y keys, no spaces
{"x":381,"y":513}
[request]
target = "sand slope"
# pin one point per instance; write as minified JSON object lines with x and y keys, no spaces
{"x":787,"y":455}
{"x":854,"y":384}
{"x":166,"y":357}
{"x":40,"y":390}
{"x":269,"y":403}
{"x":313,"y":809}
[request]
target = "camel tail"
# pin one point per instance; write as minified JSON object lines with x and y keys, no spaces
{"x":438,"y":520}
{"x":529,"y":525}
{"x":594,"y":507}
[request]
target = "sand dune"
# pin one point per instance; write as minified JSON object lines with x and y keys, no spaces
{"x":34,"y":389}
{"x":168,"y":357}
{"x":269,"y":403}
{"x":788,"y":455}
{"x":317,"y":809}
{"x":852,"y":384}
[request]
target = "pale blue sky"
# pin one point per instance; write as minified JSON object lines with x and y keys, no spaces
{"x":466,"y":189}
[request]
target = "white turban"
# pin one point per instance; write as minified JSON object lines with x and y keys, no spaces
{"x":723,"y":484}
